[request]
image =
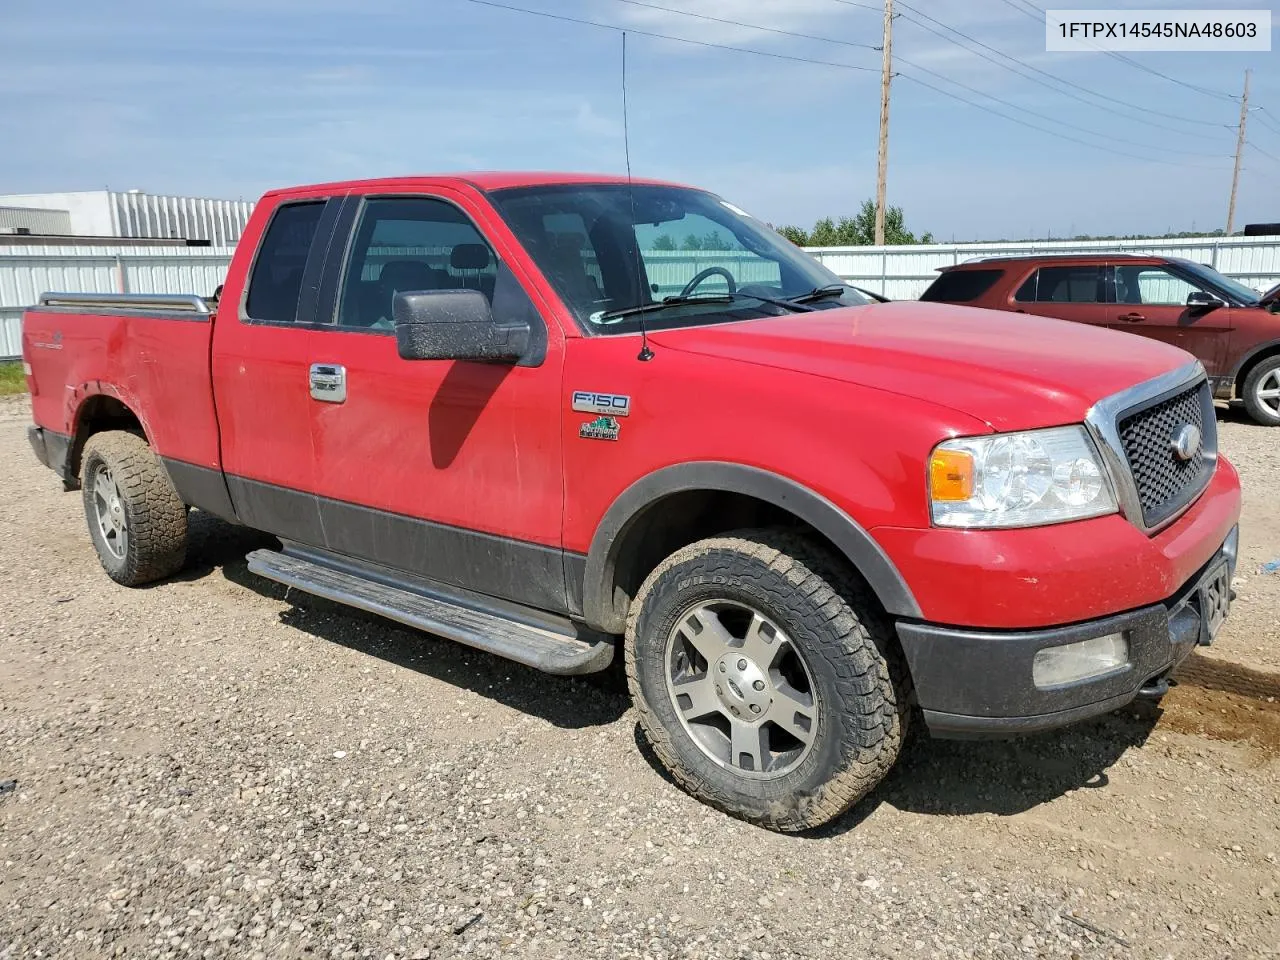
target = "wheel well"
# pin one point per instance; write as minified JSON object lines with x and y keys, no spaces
{"x":682,"y":518}
{"x":97,"y":414}
{"x":1252,"y":362}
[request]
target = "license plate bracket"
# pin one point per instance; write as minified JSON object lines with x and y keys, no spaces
{"x":1215,"y":601}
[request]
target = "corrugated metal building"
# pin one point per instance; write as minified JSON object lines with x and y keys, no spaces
{"x":108,"y":213}
{"x":34,"y":220}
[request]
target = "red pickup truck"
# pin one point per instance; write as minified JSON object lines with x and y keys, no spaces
{"x":499,"y":408}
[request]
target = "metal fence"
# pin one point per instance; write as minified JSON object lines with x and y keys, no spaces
{"x":900,"y":273}
{"x":28,"y":271}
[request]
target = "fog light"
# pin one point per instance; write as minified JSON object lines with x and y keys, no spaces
{"x":1054,"y":666}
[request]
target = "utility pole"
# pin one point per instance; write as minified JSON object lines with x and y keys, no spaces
{"x":1235,"y":177}
{"x":886,"y":73}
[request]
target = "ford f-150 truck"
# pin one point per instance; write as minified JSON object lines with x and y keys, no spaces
{"x":511,"y":410}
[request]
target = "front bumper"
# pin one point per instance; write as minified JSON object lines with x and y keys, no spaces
{"x":973,"y":683}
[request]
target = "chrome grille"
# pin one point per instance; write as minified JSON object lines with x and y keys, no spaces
{"x":1165,"y":482}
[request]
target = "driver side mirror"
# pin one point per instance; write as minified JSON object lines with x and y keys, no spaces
{"x":1204,"y":302}
{"x":455,"y":325}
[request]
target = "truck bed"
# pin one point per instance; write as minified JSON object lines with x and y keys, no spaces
{"x":151,"y":353}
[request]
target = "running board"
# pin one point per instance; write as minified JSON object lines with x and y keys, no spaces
{"x":549,"y":650}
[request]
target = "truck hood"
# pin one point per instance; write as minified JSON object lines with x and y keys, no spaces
{"x":1013,"y":371}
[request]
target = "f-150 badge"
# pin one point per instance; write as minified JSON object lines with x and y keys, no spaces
{"x":601,"y":428}
{"x":608,"y":404}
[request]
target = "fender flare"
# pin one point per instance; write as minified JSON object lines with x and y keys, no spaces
{"x":76,"y":402}
{"x":600,"y":604}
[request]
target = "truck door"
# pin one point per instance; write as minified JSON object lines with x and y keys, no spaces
{"x":1151,"y":300}
{"x":446,"y":469}
{"x":261,"y":376}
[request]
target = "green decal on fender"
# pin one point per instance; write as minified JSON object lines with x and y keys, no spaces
{"x":601,"y":428}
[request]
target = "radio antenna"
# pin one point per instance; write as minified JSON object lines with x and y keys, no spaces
{"x":645,"y":353}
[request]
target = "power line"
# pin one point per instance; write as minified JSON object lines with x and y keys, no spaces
{"x":1262,"y":118}
{"x":1045,"y":116}
{"x":1055,"y":77}
{"x":1044,"y":73}
{"x":667,"y":36}
{"x":830,"y":63}
{"x":1052,"y":133}
{"x":922,"y":69}
{"x":1029,"y":9}
{"x":1269,"y":156}
{"x":749,"y":26}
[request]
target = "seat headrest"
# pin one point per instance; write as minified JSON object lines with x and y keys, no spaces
{"x":408,"y":275}
{"x":469,"y":256}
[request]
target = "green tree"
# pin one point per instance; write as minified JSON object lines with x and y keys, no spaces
{"x":713,"y":241}
{"x":824,"y":234}
{"x":664,"y":242}
{"x":856,"y":231}
{"x":797,"y":235}
{"x":692,"y":242}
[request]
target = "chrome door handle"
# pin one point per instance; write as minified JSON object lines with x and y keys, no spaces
{"x":1131,"y":317}
{"x":328,"y":382}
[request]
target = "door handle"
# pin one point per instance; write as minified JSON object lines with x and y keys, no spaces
{"x":328,"y":382}
{"x":1130,"y":318}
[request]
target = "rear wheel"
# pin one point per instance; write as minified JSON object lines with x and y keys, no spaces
{"x":1262,"y":392}
{"x":137,"y":522}
{"x":762,"y":690}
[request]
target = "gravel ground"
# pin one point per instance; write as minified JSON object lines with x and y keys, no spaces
{"x":214,"y":767}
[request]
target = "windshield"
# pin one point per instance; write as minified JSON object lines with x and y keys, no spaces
{"x":610,"y":248}
{"x":1226,"y":284}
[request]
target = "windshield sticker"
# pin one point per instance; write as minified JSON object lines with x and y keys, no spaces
{"x":601,"y":428}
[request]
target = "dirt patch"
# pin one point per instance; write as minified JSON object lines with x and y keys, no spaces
{"x":1225,"y":701}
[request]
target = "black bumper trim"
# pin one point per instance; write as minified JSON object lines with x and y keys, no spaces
{"x":978,"y":683}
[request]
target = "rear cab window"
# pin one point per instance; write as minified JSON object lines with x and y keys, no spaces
{"x":961,"y":286}
{"x":276,"y":282}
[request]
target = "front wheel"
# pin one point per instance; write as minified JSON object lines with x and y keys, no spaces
{"x":1262,"y":392}
{"x":137,"y":521}
{"x":761,"y":689}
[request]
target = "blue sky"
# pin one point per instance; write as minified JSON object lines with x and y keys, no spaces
{"x":227,"y":98}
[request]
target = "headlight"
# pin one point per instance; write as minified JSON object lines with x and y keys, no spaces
{"x":1018,"y":480}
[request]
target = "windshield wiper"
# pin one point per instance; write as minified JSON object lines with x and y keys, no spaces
{"x":821,"y":293}
{"x":678,"y":301}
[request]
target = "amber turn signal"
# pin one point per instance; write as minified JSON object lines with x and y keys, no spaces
{"x":951,"y":475}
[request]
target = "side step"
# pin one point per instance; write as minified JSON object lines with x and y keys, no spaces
{"x":549,"y":650}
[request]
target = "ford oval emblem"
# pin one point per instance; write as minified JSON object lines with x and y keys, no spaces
{"x":1186,"y":441}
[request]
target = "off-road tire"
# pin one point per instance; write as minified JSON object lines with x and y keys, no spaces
{"x":859,"y":679}
{"x":1257,"y":410}
{"x":154,"y":515}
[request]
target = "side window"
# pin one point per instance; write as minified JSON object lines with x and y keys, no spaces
{"x":1151,"y":285}
{"x":277,"y":272}
{"x":1063,"y":285}
{"x":961,"y":286}
{"x":410,"y":243}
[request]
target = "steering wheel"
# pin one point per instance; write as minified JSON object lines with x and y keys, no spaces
{"x":709,"y":272}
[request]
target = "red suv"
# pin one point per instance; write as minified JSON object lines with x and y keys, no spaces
{"x":1232,"y":329}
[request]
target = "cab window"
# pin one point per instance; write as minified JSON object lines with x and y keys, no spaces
{"x":276,"y":282}
{"x":410,"y":244}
